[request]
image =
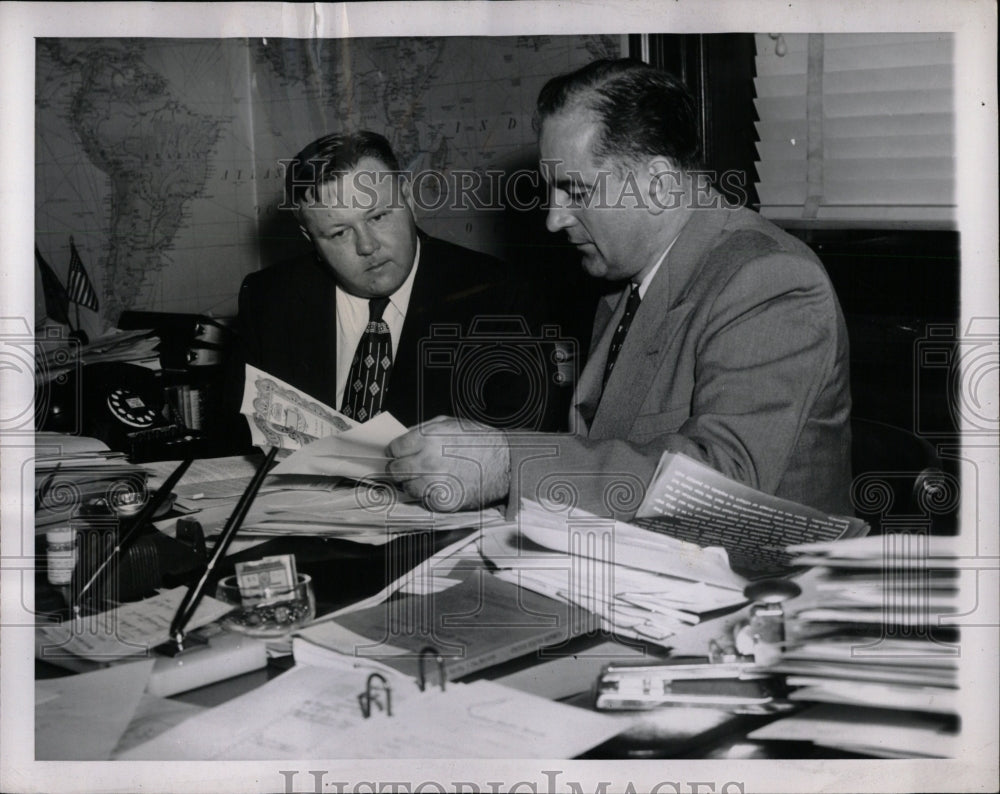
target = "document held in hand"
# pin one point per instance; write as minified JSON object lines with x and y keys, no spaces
{"x":325,"y":442}
{"x":692,"y":502}
{"x":282,"y":416}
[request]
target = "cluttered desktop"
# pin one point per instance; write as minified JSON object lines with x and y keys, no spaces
{"x":298,"y":595}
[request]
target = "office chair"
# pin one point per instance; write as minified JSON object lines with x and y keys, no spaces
{"x":899,"y":484}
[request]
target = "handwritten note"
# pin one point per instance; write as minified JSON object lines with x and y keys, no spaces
{"x":130,"y":630}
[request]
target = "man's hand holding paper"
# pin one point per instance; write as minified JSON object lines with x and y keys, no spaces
{"x":449,"y":466}
{"x":358,"y":453}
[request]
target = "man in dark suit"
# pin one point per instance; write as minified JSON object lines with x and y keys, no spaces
{"x":725,"y":341}
{"x":442,"y":319}
{"x":444,"y":307}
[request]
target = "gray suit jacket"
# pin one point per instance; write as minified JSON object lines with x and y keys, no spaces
{"x":737,"y":356}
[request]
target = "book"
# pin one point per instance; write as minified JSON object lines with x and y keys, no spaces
{"x":476,"y":623}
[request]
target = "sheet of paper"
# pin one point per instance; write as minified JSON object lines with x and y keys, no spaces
{"x":314,"y":712}
{"x":570,"y":674}
{"x":280,"y":415}
{"x":417,"y":579}
{"x":880,"y":547}
{"x":689,"y":501}
{"x":207,"y":469}
{"x":357,"y":453}
{"x":633,"y":546}
{"x":349,"y":521}
{"x":48,"y":444}
{"x":153,"y":716}
{"x":129,"y":630}
{"x":874,"y":731}
{"x":937,"y":700}
{"x":89,"y":712}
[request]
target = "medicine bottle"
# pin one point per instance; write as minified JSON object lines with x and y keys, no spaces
{"x":61,"y":555}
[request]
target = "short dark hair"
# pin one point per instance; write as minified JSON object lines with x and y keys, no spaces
{"x":643,"y":111}
{"x":332,"y":156}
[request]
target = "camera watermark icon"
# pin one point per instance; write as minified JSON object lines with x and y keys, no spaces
{"x":966,"y":366}
{"x":37,"y":366}
{"x":499,"y":374}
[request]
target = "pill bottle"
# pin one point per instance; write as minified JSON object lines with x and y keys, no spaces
{"x":61,"y":555}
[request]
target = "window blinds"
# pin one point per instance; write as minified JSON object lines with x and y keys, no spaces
{"x":856,"y":128}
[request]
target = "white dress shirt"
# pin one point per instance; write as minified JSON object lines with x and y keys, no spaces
{"x":352,"y":319}
{"x":644,"y":284}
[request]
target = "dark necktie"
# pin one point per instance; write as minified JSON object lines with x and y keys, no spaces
{"x":370,"y":369}
{"x":631,"y":305}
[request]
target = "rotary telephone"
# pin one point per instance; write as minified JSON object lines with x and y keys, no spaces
{"x":121,"y":404}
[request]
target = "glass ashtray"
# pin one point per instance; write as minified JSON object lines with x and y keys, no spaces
{"x":274,"y":613}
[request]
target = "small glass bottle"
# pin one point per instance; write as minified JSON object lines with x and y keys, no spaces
{"x":61,"y":555}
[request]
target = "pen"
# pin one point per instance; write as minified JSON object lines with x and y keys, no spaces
{"x":194,"y":595}
{"x":140,"y":519}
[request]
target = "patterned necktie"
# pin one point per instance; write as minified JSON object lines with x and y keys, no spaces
{"x":622,"y":330}
{"x":370,"y":368}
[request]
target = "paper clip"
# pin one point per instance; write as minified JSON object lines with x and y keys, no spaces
{"x":367,"y":698}
{"x":422,"y":680}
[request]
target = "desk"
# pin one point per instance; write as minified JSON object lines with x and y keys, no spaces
{"x":346,"y":572}
{"x":670,"y":733}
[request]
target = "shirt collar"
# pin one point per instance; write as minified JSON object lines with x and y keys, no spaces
{"x":644,"y":284}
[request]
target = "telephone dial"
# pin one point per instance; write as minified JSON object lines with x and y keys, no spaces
{"x":121,"y":404}
{"x":129,"y":407}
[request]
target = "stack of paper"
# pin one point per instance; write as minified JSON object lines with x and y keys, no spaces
{"x":871,"y":643}
{"x":330,"y":482}
{"x":307,"y":504}
{"x":72,"y":470}
{"x":132,"y":347}
{"x":633,"y":582}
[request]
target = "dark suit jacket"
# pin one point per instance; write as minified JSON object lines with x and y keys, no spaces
{"x":453,"y":355}
{"x":737,"y":357}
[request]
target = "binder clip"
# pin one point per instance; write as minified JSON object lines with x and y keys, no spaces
{"x":422,"y":676}
{"x":371,"y":697}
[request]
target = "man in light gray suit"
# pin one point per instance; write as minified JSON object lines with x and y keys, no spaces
{"x":725,"y":342}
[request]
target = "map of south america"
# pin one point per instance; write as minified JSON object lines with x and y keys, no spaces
{"x":155,"y":152}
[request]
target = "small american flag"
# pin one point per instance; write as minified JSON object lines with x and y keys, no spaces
{"x":81,"y":291}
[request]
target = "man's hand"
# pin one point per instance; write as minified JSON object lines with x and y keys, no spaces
{"x":450,"y":468}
